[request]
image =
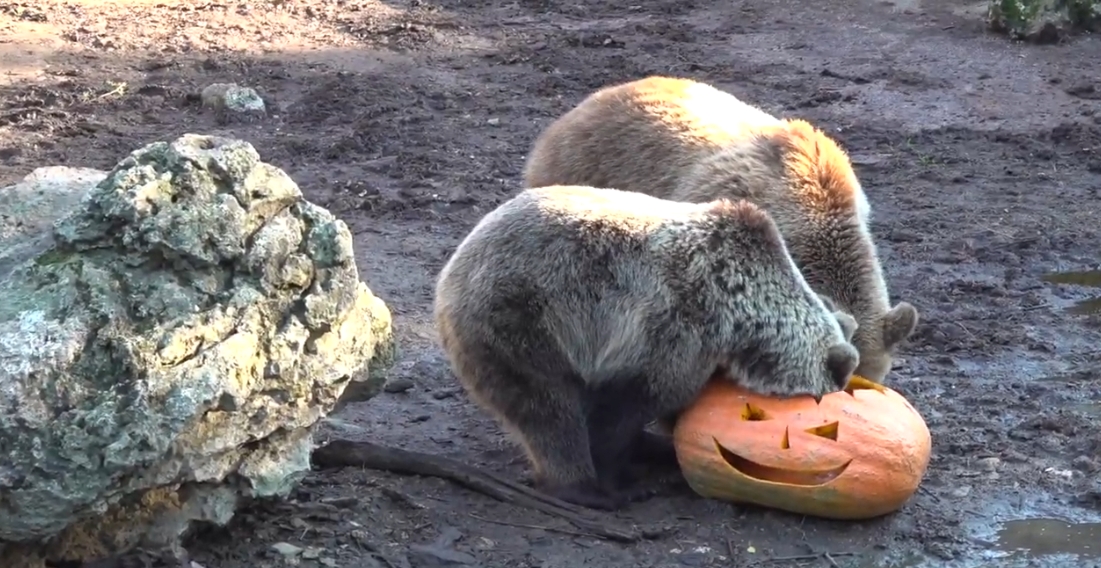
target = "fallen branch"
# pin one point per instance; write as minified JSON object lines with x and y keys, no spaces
{"x":527,"y":526}
{"x":348,"y":453}
{"x":827,"y":556}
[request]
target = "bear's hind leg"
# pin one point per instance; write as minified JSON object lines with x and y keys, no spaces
{"x":553,"y":427}
{"x":654,"y":450}
{"x":545,"y":410}
{"x":618,"y":409}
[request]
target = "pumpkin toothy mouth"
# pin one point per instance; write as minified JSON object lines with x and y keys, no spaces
{"x":762,"y":472}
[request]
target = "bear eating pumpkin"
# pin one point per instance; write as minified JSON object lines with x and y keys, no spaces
{"x":857,"y":454}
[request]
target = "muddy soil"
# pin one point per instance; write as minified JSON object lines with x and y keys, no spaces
{"x":411,"y":118}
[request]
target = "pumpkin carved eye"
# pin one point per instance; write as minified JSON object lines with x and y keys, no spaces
{"x":805,"y":477}
{"x":828,"y":431}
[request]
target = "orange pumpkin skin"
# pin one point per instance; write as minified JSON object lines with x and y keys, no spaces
{"x":860,"y":453}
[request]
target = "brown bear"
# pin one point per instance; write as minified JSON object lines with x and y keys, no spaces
{"x":683,"y":140}
{"x":577,"y":315}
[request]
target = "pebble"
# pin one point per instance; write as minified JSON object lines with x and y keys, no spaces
{"x":286,"y":549}
{"x":230,"y":96}
{"x":990,"y":464}
{"x":1083,"y":463}
{"x":399,"y":385}
{"x":441,"y":551}
{"x":444,"y":393}
{"x":361,"y":536}
{"x":941,"y":550}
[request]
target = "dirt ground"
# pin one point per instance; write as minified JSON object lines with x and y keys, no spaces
{"x":411,"y":118}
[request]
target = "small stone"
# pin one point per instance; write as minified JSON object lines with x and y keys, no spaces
{"x":990,"y":463}
{"x":311,"y":554}
{"x":444,"y":393}
{"x":299,"y":523}
{"x":962,"y":491}
{"x":329,"y":562}
{"x":493,"y":121}
{"x":1062,"y":473}
{"x":342,"y":502}
{"x":286,"y":549}
{"x":940,"y":550}
{"x":441,"y":551}
{"x":361,"y":536}
{"x":230,"y":96}
{"x":1083,"y":463}
{"x":421,"y":418}
{"x":398,"y":385}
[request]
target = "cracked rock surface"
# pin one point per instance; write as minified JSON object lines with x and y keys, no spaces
{"x":170,"y":331}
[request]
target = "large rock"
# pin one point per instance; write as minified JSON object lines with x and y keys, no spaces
{"x":1043,"y":21}
{"x":169,"y":334}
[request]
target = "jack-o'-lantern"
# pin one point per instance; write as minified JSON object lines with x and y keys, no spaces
{"x":857,"y":454}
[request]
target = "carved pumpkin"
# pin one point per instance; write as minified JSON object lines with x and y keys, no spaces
{"x":858,"y":454}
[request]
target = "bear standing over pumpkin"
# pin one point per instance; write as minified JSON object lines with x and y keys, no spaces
{"x":577,"y":315}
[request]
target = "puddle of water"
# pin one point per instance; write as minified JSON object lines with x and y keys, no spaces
{"x":1092,"y":409}
{"x":1044,"y":533}
{"x":1091,"y":278}
{"x":1085,"y":307}
{"x":1046,"y":536}
{"x":1077,"y":376}
{"x":1081,"y":278}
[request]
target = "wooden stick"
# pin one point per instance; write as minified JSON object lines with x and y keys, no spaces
{"x":348,"y":453}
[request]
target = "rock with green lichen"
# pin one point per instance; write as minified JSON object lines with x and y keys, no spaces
{"x":229,"y":99}
{"x":170,"y":333}
{"x":1043,"y":21}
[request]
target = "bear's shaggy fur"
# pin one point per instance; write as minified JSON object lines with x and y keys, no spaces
{"x":683,"y":140}
{"x":577,"y":315}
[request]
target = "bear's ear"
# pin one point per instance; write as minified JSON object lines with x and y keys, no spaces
{"x":841,"y":360}
{"x":848,"y":324}
{"x":899,"y":324}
